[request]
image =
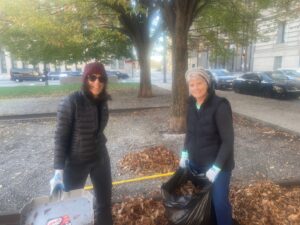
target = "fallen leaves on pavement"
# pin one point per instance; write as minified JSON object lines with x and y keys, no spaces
{"x":265,"y":203}
{"x":260,"y":203}
{"x":139,"y":211}
{"x":263,"y":129}
{"x":151,"y":160}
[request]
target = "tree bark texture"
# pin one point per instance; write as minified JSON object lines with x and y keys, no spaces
{"x":178,"y":16}
{"x":145,"y":89}
{"x":136,"y":27}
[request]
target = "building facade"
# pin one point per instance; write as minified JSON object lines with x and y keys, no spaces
{"x":280,"y":45}
{"x":277,"y":47}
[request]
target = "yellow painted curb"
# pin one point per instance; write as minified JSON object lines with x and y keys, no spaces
{"x":136,"y":179}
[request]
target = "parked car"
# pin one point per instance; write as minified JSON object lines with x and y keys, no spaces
{"x":20,"y":75}
{"x":221,"y":78}
{"x":74,"y":73}
{"x":292,"y":74}
{"x":267,"y":84}
{"x":119,"y":74}
{"x":54,"y":75}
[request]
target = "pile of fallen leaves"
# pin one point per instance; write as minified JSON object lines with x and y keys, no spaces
{"x":261,"y":203}
{"x":139,"y":211}
{"x":151,"y":160}
{"x":265,"y":203}
{"x":187,"y":188}
{"x":264,"y":130}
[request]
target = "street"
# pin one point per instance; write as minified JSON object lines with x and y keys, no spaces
{"x":282,"y":113}
{"x":9,"y":83}
{"x":156,"y":77}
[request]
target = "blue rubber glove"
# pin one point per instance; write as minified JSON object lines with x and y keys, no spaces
{"x":56,"y":183}
{"x":212,"y":173}
{"x":184,"y":159}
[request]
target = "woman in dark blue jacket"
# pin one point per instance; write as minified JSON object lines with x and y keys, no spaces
{"x":80,"y":144}
{"x":209,"y":140}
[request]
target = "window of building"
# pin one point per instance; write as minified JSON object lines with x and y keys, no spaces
{"x":121,"y":64}
{"x":113,"y":64}
{"x":57,"y":67}
{"x":25,"y":65}
{"x":3,"y":62}
{"x":277,"y":62}
{"x":14,"y":63}
{"x":281,"y":32}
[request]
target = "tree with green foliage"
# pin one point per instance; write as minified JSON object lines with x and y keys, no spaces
{"x":222,"y":26}
{"x":80,"y":30}
{"x":179,"y":16}
{"x":55,"y":31}
{"x":135,"y":20}
{"x":217,"y":23}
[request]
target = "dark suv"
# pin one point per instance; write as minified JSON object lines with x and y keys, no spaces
{"x":268,"y":84}
{"x":221,"y":78}
{"x":20,"y":75}
{"x":119,"y":74}
{"x":52,"y":75}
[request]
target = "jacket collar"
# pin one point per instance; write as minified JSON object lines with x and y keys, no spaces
{"x":193,"y":101}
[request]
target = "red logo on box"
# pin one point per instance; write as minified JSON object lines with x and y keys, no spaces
{"x":64,"y":220}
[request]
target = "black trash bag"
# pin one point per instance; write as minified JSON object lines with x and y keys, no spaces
{"x":193,"y":209}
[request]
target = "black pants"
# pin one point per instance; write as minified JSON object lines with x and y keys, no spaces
{"x":75,"y":175}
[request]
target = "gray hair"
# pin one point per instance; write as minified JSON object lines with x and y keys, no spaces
{"x":197,"y":72}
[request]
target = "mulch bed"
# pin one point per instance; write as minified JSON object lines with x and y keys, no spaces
{"x":157,"y":159}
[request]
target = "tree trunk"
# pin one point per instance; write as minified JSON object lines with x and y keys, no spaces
{"x":145,"y":90}
{"x":179,"y":87}
{"x":45,"y":72}
{"x":179,"y":16}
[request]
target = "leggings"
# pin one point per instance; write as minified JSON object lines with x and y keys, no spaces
{"x":75,"y":176}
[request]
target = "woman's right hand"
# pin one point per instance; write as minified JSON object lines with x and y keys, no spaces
{"x":184,"y":159}
{"x":56,"y":183}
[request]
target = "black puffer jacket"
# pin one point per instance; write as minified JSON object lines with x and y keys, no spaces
{"x":79,"y":133}
{"x":210,"y":138}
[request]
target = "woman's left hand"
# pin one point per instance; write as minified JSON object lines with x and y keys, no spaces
{"x":212,"y":173}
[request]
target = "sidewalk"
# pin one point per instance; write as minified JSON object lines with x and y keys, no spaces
{"x":4,"y":77}
{"x":48,"y":105}
{"x":284,"y":114}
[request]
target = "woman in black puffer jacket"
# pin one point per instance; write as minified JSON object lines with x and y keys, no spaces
{"x":80,"y":144}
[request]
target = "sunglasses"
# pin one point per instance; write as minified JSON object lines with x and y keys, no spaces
{"x":93,"y":78}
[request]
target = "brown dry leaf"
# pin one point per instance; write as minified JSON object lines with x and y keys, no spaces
{"x":139,"y":211}
{"x":294,"y":217}
{"x":187,"y":189}
{"x":266,"y":131}
{"x":156,"y":159}
{"x":266,"y":203}
{"x":261,"y":203}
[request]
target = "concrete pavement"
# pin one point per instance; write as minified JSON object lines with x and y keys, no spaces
{"x":284,"y":114}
